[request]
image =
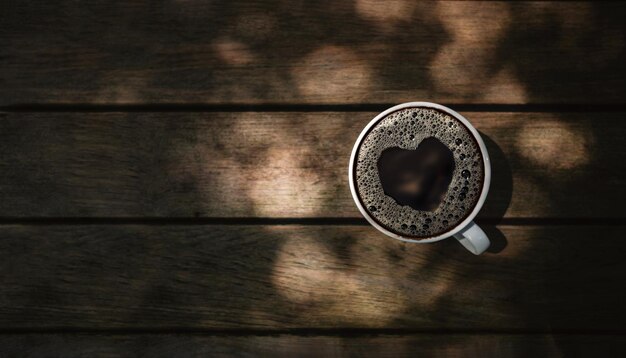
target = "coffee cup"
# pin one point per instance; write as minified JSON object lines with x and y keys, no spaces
{"x":420,"y":172}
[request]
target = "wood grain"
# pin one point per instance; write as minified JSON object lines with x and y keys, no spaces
{"x":449,"y":345}
{"x":284,"y":164}
{"x":210,"y":277}
{"x":262,"y":51}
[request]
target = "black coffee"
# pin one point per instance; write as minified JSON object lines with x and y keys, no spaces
{"x":419,"y":172}
{"x":417,"y":178}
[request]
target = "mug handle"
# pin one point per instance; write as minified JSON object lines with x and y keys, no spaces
{"x":473,"y":238}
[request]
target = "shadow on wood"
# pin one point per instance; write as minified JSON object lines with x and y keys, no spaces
{"x":500,"y":192}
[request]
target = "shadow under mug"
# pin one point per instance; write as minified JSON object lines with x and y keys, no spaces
{"x":470,"y":235}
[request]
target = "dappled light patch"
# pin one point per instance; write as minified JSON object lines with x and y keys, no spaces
{"x":282,"y":187}
{"x":554,"y":144}
{"x":385,"y":14}
{"x":332,"y":71}
{"x":265,"y":164}
{"x":460,"y":20}
{"x":233,"y":52}
{"x":505,"y":87}
{"x":358,"y":277}
{"x":308,"y":273}
{"x":459,"y":65}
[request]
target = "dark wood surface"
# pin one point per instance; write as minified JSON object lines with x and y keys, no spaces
{"x":173,"y":179}
{"x":285,"y":164}
{"x":291,"y":276}
{"x":262,"y":51}
{"x":455,"y":345}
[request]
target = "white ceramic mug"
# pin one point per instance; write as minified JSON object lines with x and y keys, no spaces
{"x":470,"y":235}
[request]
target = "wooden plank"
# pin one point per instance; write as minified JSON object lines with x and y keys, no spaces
{"x":262,"y":51}
{"x":546,"y":278}
{"x":284,"y":164}
{"x":454,"y":345}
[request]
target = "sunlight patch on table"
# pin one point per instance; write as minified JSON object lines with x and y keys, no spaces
{"x":233,"y":52}
{"x":309,"y":274}
{"x":385,"y":14}
{"x":505,"y":87}
{"x":332,"y":72}
{"x":461,"y":21}
{"x":268,"y":167}
{"x":464,"y":61}
{"x":282,"y":187}
{"x":554,"y":144}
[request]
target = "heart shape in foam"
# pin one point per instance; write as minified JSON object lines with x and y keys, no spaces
{"x":418,"y":178}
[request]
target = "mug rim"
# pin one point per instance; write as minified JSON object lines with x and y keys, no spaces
{"x":486,"y":163}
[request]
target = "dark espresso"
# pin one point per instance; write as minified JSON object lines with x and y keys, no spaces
{"x":419,"y":172}
{"x":418,"y":178}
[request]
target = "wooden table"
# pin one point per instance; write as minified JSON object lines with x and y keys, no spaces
{"x":173,"y":178}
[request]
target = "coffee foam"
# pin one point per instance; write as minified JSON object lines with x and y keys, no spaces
{"x":406,"y":129}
